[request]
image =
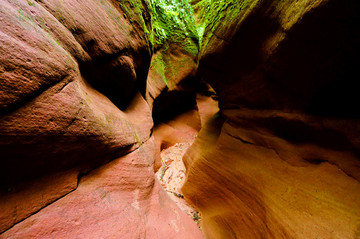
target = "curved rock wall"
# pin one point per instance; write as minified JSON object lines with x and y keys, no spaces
{"x":281,"y":158}
{"x":73,"y":77}
{"x":52,"y":106}
{"x":81,"y":87}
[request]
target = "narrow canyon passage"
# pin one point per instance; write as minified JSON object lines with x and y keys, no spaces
{"x":179,"y":119}
{"x":175,"y":137}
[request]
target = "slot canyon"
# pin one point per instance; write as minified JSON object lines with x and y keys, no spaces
{"x":179,"y":119}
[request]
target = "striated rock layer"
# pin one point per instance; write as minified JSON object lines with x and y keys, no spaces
{"x":281,"y":158}
{"x":73,"y":83}
{"x":119,"y":200}
{"x":52,"y":104}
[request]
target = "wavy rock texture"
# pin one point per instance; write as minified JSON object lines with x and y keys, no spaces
{"x":171,"y":91}
{"x":73,"y":78}
{"x":281,"y":159}
{"x":81,"y":90}
{"x":111,"y":202}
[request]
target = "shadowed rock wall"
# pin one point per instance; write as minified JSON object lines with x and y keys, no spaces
{"x":73,"y":77}
{"x":281,"y":158}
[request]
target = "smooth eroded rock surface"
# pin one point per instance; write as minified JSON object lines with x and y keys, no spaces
{"x":281,"y":159}
{"x":50,"y":108}
{"x":119,"y":200}
{"x":73,"y":78}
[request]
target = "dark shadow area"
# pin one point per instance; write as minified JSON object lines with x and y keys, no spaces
{"x":313,"y":70}
{"x":315,"y":161}
{"x":298,"y":132}
{"x":230,"y":68}
{"x":118,"y":76}
{"x":169,"y":104}
{"x":37,"y":157}
{"x":317,"y":64}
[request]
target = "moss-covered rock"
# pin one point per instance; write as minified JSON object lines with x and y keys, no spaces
{"x":173,"y":21}
{"x":174,"y":63}
{"x":220,"y":17}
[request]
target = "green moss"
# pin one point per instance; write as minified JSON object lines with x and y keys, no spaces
{"x":27,"y":20}
{"x":173,"y":21}
{"x":169,"y":68}
{"x":219,"y":16}
{"x":163,"y":21}
{"x":30,"y":3}
{"x":139,"y":11}
{"x":21,"y":14}
{"x":159,"y":64}
{"x":136,"y":136}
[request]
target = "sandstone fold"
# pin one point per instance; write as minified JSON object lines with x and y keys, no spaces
{"x":281,"y":159}
{"x":73,"y":78}
{"x":171,"y":92}
{"x":118,"y":200}
{"x":51,"y":106}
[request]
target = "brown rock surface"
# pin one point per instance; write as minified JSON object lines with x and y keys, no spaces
{"x":281,"y":159}
{"x":44,"y":128}
{"x":207,"y":104}
{"x":111,"y":202}
{"x":80,"y":92}
{"x":32,"y":196}
{"x":247,"y":182}
{"x":291,"y":56}
{"x":172,"y":176}
{"x":171,"y":94}
{"x":183,"y":128}
{"x":171,"y":85}
{"x":72,"y":98}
